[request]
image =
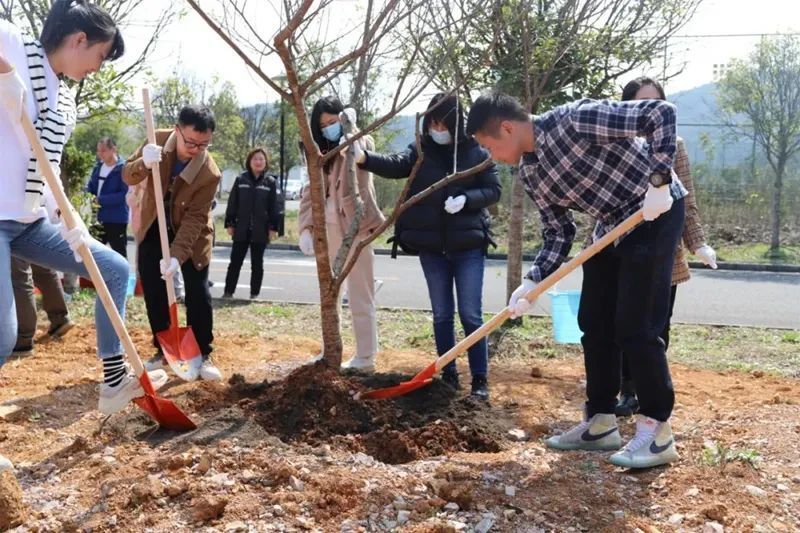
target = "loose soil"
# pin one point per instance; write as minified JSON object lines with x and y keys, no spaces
{"x":285,"y":446}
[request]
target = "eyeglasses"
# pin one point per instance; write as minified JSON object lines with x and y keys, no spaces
{"x":193,"y":145}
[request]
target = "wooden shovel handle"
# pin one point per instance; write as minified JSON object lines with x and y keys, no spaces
{"x":71,"y":219}
{"x":624,"y":227}
{"x":159,"y":194}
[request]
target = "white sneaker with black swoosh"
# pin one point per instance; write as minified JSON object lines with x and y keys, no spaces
{"x":653,"y":445}
{"x":599,"y":432}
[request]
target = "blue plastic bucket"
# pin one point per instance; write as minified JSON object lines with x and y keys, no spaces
{"x":564,"y":310}
{"x":131,"y":284}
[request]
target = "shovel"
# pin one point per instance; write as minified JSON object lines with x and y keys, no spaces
{"x":425,"y":377}
{"x":163,"y":411}
{"x":178,"y":344}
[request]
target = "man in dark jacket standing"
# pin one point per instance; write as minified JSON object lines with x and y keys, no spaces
{"x":251,"y":218}
{"x":109,"y":189}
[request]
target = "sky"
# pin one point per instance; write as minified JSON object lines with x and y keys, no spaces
{"x":192,"y":48}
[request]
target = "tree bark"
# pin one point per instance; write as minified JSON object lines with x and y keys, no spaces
{"x":775,"y":215}
{"x":515,"y":222}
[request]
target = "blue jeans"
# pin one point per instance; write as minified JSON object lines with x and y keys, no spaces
{"x":40,"y":243}
{"x":466,"y":270}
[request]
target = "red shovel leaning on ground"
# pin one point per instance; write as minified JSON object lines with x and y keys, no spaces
{"x":163,"y":411}
{"x":178,"y":344}
{"x":425,"y":377}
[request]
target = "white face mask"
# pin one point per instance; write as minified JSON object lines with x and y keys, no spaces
{"x":440,"y":137}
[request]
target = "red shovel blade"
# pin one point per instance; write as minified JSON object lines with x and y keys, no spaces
{"x":163,"y":411}
{"x":180,"y":348}
{"x":417,"y":382}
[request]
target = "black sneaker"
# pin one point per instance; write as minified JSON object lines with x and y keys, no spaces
{"x":480,"y":388}
{"x":58,"y":331}
{"x":627,"y":405}
{"x":227,"y":295}
{"x":451,"y":378}
{"x":253,"y":296}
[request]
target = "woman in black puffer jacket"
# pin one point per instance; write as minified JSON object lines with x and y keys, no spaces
{"x":252,"y":219}
{"x":449,"y":229}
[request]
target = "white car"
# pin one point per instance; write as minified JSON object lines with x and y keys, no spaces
{"x":293,"y":189}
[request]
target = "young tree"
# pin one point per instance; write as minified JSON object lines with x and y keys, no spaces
{"x":766,"y":90}
{"x":360,"y":34}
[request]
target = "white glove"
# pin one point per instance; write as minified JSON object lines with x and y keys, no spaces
{"x":306,"y":243}
{"x":168,"y":269}
{"x":454,"y":205}
{"x":75,"y":237}
{"x":12,"y":95}
{"x":707,"y":255}
{"x":657,"y":201}
{"x":517,"y":303}
{"x":151,"y":154}
{"x":357,"y":147}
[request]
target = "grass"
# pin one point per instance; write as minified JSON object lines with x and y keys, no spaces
{"x":719,"y":455}
{"x":758,"y":253}
{"x":743,"y":349}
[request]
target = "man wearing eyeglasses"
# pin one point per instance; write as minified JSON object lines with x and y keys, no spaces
{"x":189,"y":180}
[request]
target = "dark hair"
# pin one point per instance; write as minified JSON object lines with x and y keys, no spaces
{"x":633,"y":86}
{"x":108,"y":142}
{"x":72,"y":16}
{"x":326,"y":104}
{"x":200,"y":118}
{"x":446,"y":114}
{"x":490,"y":109}
{"x":252,"y":154}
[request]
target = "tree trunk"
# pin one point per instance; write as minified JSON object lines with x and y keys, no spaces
{"x":516,"y":219}
{"x":775,"y":215}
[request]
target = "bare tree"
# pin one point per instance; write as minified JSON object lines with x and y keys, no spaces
{"x":367,"y":39}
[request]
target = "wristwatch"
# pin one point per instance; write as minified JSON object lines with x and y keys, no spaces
{"x":659,"y":179}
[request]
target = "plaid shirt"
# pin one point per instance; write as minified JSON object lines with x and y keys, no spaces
{"x":596,"y":157}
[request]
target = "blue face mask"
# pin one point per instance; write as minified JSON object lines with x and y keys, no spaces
{"x":333,"y":132}
{"x":440,"y":137}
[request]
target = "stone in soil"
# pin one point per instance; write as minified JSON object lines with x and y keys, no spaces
{"x":12,"y":509}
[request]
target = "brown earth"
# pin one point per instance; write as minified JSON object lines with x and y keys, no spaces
{"x":285,"y":446}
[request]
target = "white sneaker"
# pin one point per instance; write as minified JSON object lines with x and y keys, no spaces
{"x":362,"y":364}
{"x":597,"y":433}
{"x":157,"y":362}
{"x":653,"y":445}
{"x":209,"y":371}
{"x":114,"y":399}
{"x":5,"y":464}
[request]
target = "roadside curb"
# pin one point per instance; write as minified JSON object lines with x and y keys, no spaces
{"x":741,"y":267}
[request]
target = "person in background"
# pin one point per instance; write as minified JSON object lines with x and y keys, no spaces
{"x":448,"y":229}
{"x":109,"y":190}
{"x":693,"y":239}
{"x":252,"y":220}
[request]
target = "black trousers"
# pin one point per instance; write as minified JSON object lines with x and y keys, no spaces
{"x":628,"y":386}
{"x":199,"y":314}
{"x":115,"y":235}
{"x":624,"y":309}
{"x":238,"y":253}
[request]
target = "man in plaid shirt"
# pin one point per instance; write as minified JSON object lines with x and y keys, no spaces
{"x":607,"y":159}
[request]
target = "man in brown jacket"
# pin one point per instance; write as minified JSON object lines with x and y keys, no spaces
{"x":189,"y":179}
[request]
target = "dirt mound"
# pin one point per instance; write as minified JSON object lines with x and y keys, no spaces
{"x":315,"y":404}
{"x":12,"y":510}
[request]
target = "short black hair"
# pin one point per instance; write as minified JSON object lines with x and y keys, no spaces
{"x":201,"y":118}
{"x":633,"y":86}
{"x":490,"y":109}
{"x":333,"y":106}
{"x":449,"y":112}
{"x":72,"y":16}
{"x":108,"y":142}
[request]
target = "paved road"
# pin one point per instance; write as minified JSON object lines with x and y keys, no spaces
{"x":723,"y":298}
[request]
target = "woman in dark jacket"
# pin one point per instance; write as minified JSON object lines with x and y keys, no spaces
{"x":252,"y":218}
{"x":449,"y":229}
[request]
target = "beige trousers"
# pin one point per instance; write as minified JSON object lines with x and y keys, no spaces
{"x":361,"y":294}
